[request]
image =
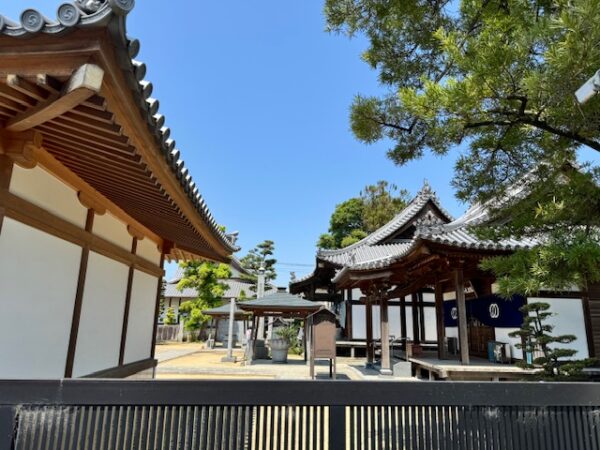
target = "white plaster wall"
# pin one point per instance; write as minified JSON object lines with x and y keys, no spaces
{"x":409,"y":323}
{"x":141,"y":317}
{"x":356,"y":294}
{"x":359,"y":327}
{"x":113,"y":230}
{"x":502,"y":335}
{"x":569,"y":319}
{"x":430,"y":324}
{"x":394,"y":320}
{"x":147,"y":248}
{"x":99,"y":337}
{"x":38,"y":281}
{"x":48,"y":192}
{"x":453,"y":332}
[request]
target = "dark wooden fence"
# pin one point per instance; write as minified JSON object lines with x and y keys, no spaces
{"x":318,"y":415}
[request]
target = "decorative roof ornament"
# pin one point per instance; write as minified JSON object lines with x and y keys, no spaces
{"x":89,"y":6}
{"x":426,"y":190}
{"x":430,"y":221}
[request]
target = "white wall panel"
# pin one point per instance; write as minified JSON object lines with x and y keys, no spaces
{"x":113,"y":230}
{"x":44,"y":190}
{"x":141,"y":317}
{"x":359,"y":327}
{"x":38,"y":281}
{"x":147,"y":248}
{"x":569,"y":319}
{"x":102,"y":310}
{"x":502,"y":335}
{"x":430,"y":324}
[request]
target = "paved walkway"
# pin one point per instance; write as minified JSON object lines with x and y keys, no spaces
{"x":166,"y":352}
{"x":177,"y":362}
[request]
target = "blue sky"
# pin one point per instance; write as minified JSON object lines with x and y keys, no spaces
{"x":257,"y":96}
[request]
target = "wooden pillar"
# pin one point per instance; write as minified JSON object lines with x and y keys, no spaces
{"x":439,"y":320}
{"x":127,"y":305}
{"x":415,"y":318}
{"x":385,"y":333}
{"x":369,"y":318}
{"x":403,"y":333}
{"x":76,"y":317}
{"x":6,"y":166}
{"x":349,"y":315}
{"x":421,"y":317}
{"x":158,"y":295}
{"x":463,"y":336}
{"x":587,"y":317}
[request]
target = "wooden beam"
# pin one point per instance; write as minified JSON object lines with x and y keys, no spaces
{"x":37,"y":217}
{"x":85,"y":82}
{"x":6,"y":167}
{"x":439,"y":320}
{"x":77,"y":305}
{"x":463,"y":332}
{"x":21,"y":147}
{"x":96,"y":199}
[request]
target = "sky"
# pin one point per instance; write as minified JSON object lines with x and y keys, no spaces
{"x":257,"y":96}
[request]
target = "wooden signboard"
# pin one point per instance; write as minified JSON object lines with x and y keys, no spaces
{"x":322,"y":337}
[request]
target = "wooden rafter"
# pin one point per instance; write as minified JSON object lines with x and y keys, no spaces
{"x":83,"y":84}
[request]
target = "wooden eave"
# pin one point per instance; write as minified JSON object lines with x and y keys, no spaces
{"x":106,"y":139}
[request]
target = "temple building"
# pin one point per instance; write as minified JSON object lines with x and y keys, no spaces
{"x":94,"y":197}
{"x":417,"y":280}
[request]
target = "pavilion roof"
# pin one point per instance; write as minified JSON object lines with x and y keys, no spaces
{"x":110,"y":134}
{"x":280,"y":302}
{"x":225,"y":310}
{"x":377,"y":244}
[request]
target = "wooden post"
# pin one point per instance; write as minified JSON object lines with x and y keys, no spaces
{"x":369,"y":318}
{"x":385,"y":334}
{"x":403,"y":333}
{"x":439,"y":320}
{"x":166,"y":247}
{"x":6,"y":167}
{"x":463,"y":336}
{"x":587,"y":317}
{"x":421,"y":317}
{"x":77,"y":305}
{"x":127,"y":305}
{"x":415,"y":318}
{"x":349,"y":315}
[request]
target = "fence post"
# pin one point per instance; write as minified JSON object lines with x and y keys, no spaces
{"x":8,"y":426}
{"x":337,"y":427}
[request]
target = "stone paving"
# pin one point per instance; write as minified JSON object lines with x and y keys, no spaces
{"x":199,"y":363}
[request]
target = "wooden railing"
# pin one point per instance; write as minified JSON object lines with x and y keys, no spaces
{"x":317,"y":415}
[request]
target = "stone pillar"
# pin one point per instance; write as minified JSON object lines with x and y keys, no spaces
{"x":439,"y":320}
{"x":463,"y":332}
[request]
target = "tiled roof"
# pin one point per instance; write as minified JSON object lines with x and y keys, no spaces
{"x":111,"y":14}
{"x":367,"y":248}
{"x":234,"y":290}
{"x":280,"y":300}
{"x":224,"y":310}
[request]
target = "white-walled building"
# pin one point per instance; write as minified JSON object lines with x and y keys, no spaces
{"x":93,"y":198}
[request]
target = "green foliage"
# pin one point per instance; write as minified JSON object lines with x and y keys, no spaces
{"x":537,"y":336}
{"x":260,"y":255}
{"x":357,"y":217}
{"x":381,"y":204}
{"x":170,"y":318}
{"x":243,"y":295}
{"x":497,"y":77}
{"x":287,"y":333}
{"x":205,"y":278}
{"x":562,"y":211}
